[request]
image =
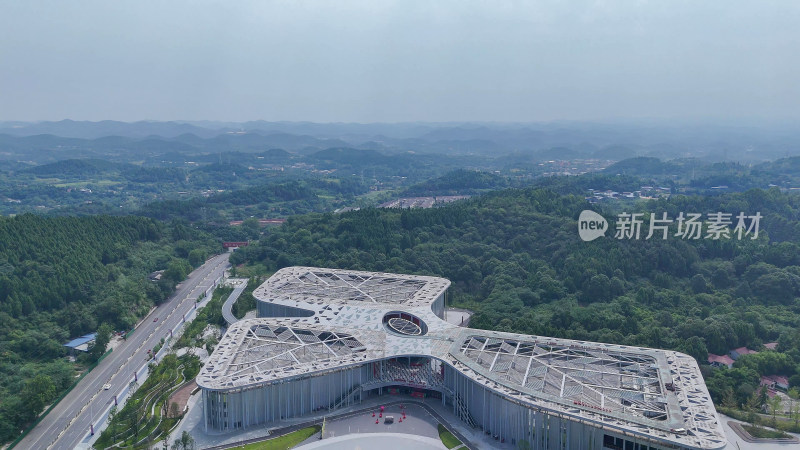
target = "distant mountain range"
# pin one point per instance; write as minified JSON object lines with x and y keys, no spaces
{"x":50,"y":141}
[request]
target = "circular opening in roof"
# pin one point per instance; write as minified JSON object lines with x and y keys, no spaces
{"x":404,"y":324}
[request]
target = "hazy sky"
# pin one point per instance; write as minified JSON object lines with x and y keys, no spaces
{"x":384,"y":61}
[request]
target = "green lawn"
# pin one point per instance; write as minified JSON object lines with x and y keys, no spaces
{"x":286,"y":441}
{"x":447,"y":437}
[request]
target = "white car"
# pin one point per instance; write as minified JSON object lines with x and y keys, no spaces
{"x":106,"y":387}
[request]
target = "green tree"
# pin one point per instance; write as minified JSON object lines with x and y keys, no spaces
{"x":173,"y":410}
{"x":36,"y":393}
{"x":185,"y":442}
{"x":699,"y":284}
{"x":598,"y":289}
{"x":101,"y":340}
{"x":794,"y":411}
{"x":251,"y":227}
{"x":197,"y":257}
{"x":695,"y":347}
{"x":112,"y":424}
{"x":729,"y":399}
{"x":774,"y":404}
{"x":177,"y":270}
{"x":757,"y":401}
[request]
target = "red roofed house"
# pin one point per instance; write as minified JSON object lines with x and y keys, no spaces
{"x":264,"y":222}
{"x":775,"y":381}
{"x":719,"y":361}
{"x":771,"y":345}
{"x":737,"y":352}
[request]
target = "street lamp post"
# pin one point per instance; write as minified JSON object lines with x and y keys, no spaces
{"x":91,"y":417}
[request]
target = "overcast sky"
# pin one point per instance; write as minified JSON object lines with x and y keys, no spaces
{"x":384,"y":61}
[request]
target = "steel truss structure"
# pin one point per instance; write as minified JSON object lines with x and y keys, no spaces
{"x":327,"y":339}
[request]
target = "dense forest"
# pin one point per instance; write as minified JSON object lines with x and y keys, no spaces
{"x":62,"y":277}
{"x":515,"y":258}
{"x":266,"y":200}
{"x":458,"y":182}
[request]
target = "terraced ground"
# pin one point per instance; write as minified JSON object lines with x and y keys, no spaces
{"x":144,"y":419}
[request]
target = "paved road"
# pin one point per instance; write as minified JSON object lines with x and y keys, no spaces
{"x":227,"y":307}
{"x":68,"y":423}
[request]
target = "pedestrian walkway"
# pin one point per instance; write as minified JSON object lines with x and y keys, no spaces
{"x":227,"y":307}
{"x":181,"y":398}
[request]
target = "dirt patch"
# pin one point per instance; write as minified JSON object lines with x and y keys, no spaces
{"x":180,"y":398}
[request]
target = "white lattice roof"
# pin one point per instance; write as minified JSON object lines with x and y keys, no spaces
{"x":313,"y":284}
{"x":637,"y":390}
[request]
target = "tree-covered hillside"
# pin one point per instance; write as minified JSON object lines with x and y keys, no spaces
{"x":62,"y":277}
{"x":700,"y":176}
{"x":267,"y":200}
{"x":458,"y":182}
{"x":515,"y":257}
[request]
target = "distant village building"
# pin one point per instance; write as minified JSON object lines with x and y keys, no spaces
{"x":737,"y":352}
{"x":261,"y":222}
{"x":421,"y":202}
{"x":156,"y":276}
{"x":775,"y":381}
{"x":644,"y":193}
{"x":720,"y":361}
{"x":346,"y":209}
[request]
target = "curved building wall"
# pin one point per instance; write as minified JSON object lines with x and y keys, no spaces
{"x":526,"y":427}
{"x":438,"y":305}
{"x":269,"y":309}
{"x":516,"y":424}
{"x":229,"y":410}
{"x":472,"y":402}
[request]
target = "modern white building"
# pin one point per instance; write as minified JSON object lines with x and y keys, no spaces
{"x":329,"y":338}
